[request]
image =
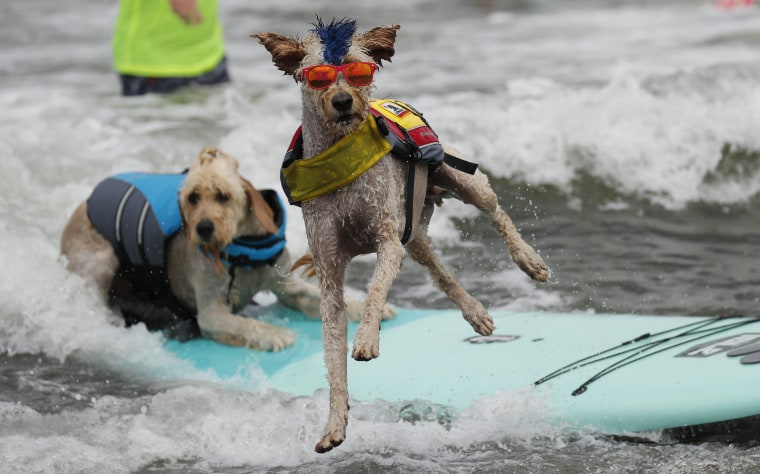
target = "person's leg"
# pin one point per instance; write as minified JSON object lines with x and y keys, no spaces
{"x":218,"y":75}
{"x":133,"y":85}
{"x":137,"y":85}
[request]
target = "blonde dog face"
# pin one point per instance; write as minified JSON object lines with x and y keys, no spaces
{"x":217,"y":204}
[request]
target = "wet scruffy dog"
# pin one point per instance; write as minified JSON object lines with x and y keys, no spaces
{"x":368,"y":212}
{"x":227,"y":245}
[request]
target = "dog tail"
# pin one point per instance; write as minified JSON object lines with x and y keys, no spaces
{"x":306,"y":261}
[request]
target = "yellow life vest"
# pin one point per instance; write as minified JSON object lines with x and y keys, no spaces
{"x":392,"y":127}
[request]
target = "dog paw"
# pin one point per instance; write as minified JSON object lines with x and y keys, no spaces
{"x":328,"y":442}
{"x":354,"y":309}
{"x":389,"y":312}
{"x":272,"y":338}
{"x":530,"y":262}
{"x":366,"y":343}
{"x":480,"y":320}
{"x":335,"y":434}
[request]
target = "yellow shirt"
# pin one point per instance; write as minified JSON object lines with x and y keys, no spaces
{"x":150,"y":40}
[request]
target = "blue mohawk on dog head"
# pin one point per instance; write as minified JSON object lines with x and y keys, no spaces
{"x":336,"y":38}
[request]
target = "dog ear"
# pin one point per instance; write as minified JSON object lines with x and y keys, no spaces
{"x":209,"y":153}
{"x":378,"y":42}
{"x":287,"y":53}
{"x":261,"y":209}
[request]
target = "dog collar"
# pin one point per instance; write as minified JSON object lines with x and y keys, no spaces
{"x":252,"y":251}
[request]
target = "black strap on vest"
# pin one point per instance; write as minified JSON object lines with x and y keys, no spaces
{"x":411,"y":170}
{"x":460,"y":164}
{"x":412,"y":156}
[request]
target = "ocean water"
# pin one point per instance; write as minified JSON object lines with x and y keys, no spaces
{"x":622,"y":136}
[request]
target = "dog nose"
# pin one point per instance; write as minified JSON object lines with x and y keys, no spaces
{"x":342,"y":101}
{"x":205,"y":229}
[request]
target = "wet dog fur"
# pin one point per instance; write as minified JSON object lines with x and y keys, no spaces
{"x":368,"y":214}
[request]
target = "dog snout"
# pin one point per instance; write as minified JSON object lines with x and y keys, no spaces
{"x":342,"y":101}
{"x":205,"y":229}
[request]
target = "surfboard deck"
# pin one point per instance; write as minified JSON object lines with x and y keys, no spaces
{"x":614,"y":374}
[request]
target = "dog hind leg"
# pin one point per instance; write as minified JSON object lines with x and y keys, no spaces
{"x":476,"y":190}
{"x":87,"y":252}
{"x":421,"y":251}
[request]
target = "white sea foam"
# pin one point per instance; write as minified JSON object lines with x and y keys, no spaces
{"x":640,"y":98}
{"x":646,"y":139}
{"x":233,"y":428}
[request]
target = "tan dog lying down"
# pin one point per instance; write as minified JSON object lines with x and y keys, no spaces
{"x":229,"y":246}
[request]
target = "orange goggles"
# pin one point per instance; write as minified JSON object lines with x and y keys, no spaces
{"x":322,"y":76}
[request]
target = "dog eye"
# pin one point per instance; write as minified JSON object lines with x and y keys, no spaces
{"x":192,"y":198}
{"x":222,"y":198}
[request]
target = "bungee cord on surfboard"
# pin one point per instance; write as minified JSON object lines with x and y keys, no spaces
{"x":700,"y":329}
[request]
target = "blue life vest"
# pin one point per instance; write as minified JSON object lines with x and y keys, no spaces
{"x":139,"y":212}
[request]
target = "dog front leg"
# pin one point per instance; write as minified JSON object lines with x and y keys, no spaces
{"x":334,"y":340}
{"x":216,"y":322}
{"x":390,"y":254}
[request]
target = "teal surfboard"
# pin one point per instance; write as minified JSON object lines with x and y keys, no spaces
{"x":614,"y":374}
